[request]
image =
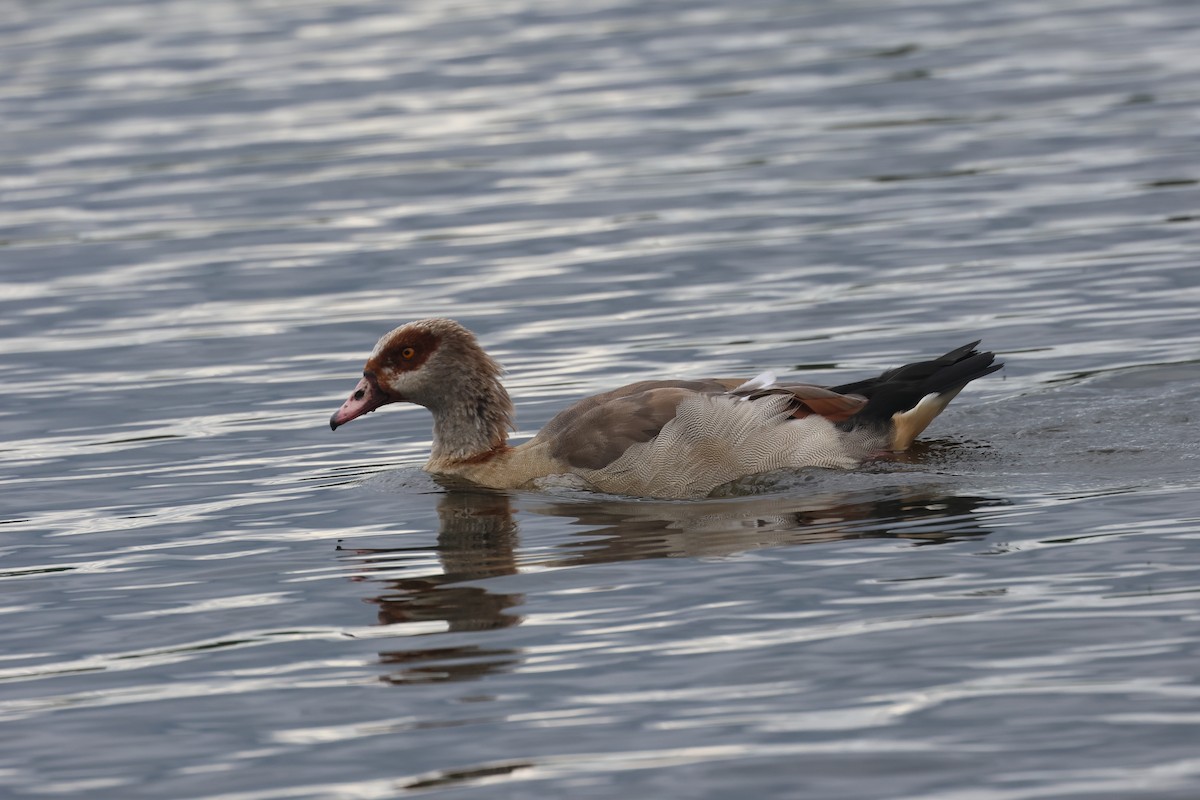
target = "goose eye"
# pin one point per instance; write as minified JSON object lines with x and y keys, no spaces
{"x":408,"y":352}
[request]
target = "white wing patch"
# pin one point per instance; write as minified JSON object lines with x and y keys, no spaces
{"x":763,"y":380}
{"x":715,"y":439}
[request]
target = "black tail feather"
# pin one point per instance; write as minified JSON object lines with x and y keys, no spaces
{"x":900,"y":389}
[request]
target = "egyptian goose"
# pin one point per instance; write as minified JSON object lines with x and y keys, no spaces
{"x":664,"y":439}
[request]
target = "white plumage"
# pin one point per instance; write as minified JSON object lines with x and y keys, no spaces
{"x":715,"y":439}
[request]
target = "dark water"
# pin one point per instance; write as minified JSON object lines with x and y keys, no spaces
{"x":209,"y":211}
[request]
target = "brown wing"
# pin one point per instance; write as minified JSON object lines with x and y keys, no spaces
{"x":567,"y":416}
{"x":595,"y":431}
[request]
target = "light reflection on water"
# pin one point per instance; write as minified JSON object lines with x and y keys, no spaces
{"x":213,"y":210}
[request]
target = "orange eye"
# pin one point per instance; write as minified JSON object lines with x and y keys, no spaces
{"x":408,"y":352}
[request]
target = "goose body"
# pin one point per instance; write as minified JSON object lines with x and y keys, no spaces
{"x":670,"y":439}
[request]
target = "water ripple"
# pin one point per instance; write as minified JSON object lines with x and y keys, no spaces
{"x":212,"y":210}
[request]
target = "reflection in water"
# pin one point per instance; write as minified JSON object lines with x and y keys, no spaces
{"x":478,"y":539}
{"x":635,"y":529}
{"x":445,"y":664}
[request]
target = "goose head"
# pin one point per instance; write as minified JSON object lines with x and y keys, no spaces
{"x":436,"y":363}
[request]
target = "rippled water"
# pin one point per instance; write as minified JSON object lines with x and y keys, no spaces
{"x":210,"y":211}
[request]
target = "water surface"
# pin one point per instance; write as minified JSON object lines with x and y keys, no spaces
{"x":212,"y":210}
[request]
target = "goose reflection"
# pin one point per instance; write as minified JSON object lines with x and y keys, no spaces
{"x":477,"y":539}
{"x":479,"y":533}
{"x":622,"y":531}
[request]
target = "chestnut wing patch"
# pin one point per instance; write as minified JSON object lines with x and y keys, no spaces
{"x":807,"y":399}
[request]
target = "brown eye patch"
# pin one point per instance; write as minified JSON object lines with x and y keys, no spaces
{"x":405,"y":352}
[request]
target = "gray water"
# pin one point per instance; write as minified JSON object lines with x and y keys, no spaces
{"x":209,"y":211}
